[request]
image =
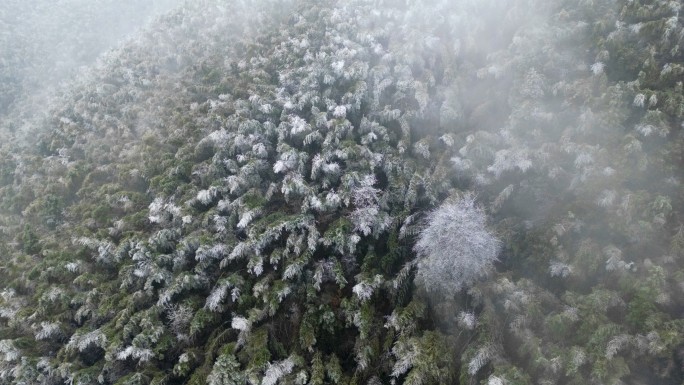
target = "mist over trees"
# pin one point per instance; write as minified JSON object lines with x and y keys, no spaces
{"x":358,"y":192}
{"x":44,"y":43}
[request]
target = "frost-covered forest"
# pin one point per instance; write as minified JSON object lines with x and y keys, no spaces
{"x":342,"y":192}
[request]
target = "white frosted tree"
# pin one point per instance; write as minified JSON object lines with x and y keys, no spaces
{"x":454,"y":247}
{"x":226,"y":371}
{"x":368,"y":218}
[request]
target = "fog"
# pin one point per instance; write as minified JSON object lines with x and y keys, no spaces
{"x":353,"y":192}
{"x":44,"y":43}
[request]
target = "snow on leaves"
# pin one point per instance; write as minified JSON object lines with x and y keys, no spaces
{"x":455,"y":247}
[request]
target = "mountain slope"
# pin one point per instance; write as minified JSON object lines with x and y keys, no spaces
{"x":235,"y":196}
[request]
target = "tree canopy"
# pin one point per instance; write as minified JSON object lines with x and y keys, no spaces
{"x":357,"y":192}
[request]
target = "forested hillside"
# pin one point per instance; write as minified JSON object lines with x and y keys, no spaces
{"x":43,"y":43}
{"x":352,"y":192}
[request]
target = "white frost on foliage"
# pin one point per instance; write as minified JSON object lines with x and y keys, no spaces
{"x":616,"y":344}
{"x":340,"y":112}
{"x":9,"y":351}
{"x":47,"y":330}
{"x":240,"y":323}
{"x":615,"y":261}
{"x":367,"y":216}
{"x":205,"y":197}
{"x":422,"y":148}
{"x":220,"y":138}
{"x":645,"y":129}
{"x":276,"y":371}
{"x":467,"y":320}
{"x":482,"y":357}
{"x":338,"y":66}
{"x":455,"y":247}
{"x":606,"y":198}
{"x":639,"y":100}
{"x":73,"y":267}
{"x":161,"y":211}
{"x":140,"y":354}
{"x":461,"y":165}
{"x":508,"y":160}
{"x":247,"y":218}
{"x":288,"y":161}
{"x":299,"y":125}
{"x":447,"y":139}
{"x":240,"y":250}
{"x":213,"y":302}
{"x":534,"y":84}
{"x":560,"y":269}
{"x":81,"y":342}
{"x":406,"y":354}
{"x":363,"y":290}
{"x":598,"y":68}
{"x":583,"y":159}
